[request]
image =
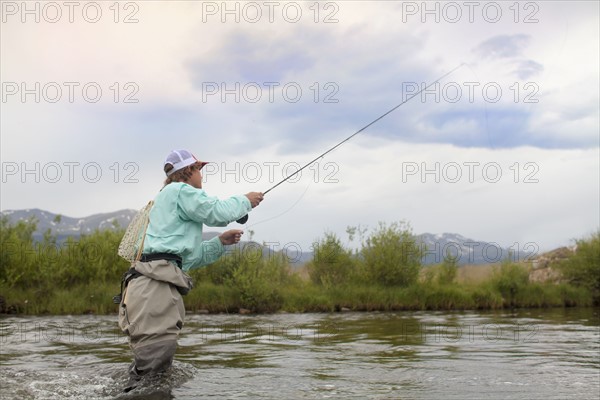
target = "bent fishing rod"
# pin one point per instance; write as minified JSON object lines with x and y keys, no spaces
{"x":244,"y":219}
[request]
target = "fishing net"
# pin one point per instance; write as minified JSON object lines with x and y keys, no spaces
{"x":132,"y":244}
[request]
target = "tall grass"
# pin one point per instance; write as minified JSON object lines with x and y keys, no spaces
{"x":308,"y":297}
{"x":79,"y":299}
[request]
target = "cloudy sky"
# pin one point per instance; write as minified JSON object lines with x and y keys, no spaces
{"x":505,"y":149}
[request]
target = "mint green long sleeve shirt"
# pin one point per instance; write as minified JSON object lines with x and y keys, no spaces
{"x":177,"y":219}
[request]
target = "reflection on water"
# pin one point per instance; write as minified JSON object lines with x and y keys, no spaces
{"x":533,"y":354}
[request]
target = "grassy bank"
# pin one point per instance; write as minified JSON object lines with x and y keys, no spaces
{"x":306,"y":297}
{"x":79,"y":299}
{"x":81,"y":277}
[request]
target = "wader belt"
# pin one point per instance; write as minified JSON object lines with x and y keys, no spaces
{"x":132,"y":273}
{"x":162,"y":256}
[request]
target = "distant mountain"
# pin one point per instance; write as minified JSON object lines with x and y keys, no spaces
{"x":435,"y":246}
{"x":465,"y":250}
{"x":295,"y":258}
{"x":64,"y":226}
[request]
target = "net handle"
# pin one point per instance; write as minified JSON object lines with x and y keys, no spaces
{"x":139,"y":252}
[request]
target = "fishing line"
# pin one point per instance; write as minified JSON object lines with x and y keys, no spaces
{"x":284,"y":212}
{"x":364,"y":127}
{"x":245,"y":218}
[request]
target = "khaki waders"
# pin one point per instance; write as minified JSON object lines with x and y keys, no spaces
{"x":151,"y":313}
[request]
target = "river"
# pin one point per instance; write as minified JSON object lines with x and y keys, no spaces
{"x":523,"y":354}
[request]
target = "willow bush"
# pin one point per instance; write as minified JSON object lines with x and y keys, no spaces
{"x":332,"y":264}
{"x":259,"y":279}
{"x":583,"y":267}
{"x":510,"y":280}
{"x":391,"y":256}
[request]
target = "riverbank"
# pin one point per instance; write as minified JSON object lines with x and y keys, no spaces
{"x":303,"y":297}
{"x":385,"y":274}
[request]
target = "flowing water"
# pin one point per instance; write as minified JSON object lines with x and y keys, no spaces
{"x":526,"y":354}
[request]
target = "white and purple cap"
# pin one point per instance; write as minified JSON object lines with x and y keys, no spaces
{"x":180,"y":159}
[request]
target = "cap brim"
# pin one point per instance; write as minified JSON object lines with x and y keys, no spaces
{"x":201,"y":164}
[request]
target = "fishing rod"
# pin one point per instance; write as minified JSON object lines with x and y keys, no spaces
{"x":244,"y":219}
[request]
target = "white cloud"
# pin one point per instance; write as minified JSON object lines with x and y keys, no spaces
{"x":373,"y":49}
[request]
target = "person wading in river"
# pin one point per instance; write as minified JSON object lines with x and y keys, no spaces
{"x":151,"y":312}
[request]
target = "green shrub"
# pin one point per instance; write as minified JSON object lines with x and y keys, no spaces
{"x":448,"y":270}
{"x":485,"y":297}
{"x":573,"y":296}
{"x":331,"y":264}
{"x":583,"y":267}
{"x":392,"y":256}
{"x":18,"y":253}
{"x":509,"y":280}
{"x":306,"y":297}
{"x":448,"y":298}
{"x":259,"y":279}
{"x":212,"y":298}
{"x":220,"y":271}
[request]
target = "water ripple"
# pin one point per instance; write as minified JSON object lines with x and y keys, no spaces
{"x":534,"y":354}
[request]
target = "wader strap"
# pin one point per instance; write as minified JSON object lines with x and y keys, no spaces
{"x":127,"y":276}
{"x":132,"y":273}
{"x":162,"y":256}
